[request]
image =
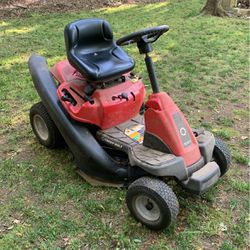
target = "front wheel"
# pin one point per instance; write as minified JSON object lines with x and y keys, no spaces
{"x":222,"y":156}
{"x":152,"y":202}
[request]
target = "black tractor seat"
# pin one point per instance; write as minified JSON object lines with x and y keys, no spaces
{"x":92,"y":51}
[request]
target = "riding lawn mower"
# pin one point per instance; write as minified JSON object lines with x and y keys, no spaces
{"x":95,"y":104}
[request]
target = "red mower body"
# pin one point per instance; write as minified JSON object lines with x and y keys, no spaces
{"x":107,"y":110}
{"x":164,"y":120}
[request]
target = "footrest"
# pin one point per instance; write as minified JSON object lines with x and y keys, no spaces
{"x":157,"y":163}
{"x":201,"y":180}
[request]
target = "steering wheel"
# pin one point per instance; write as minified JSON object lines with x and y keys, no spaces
{"x":149,"y":35}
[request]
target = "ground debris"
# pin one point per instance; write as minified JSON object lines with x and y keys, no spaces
{"x":21,"y":8}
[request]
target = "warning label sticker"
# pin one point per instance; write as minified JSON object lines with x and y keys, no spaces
{"x":136,"y":133}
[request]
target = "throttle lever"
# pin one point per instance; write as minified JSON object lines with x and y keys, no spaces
{"x":66,"y":99}
{"x":121,"y":96}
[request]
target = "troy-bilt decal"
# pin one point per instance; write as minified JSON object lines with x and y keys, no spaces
{"x":136,"y":133}
{"x":110,"y":142}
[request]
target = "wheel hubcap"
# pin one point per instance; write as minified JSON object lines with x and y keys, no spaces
{"x":147,"y":208}
{"x":41,"y":127}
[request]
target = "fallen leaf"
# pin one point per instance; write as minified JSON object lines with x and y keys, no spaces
{"x":137,"y":241}
{"x":66,"y":239}
{"x":223,"y":227}
{"x":81,"y":235}
{"x":16,"y":221}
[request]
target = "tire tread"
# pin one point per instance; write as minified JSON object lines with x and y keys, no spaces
{"x":55,"y":138}
{"x":163,"y":191}
{"x":222,"y":155}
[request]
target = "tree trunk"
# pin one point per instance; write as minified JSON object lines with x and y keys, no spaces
{"x":215,"y":7}
{"x":228,"y":4}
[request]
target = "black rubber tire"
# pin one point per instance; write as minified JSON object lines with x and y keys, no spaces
{"x":222,"y":156}
{"x":53,"y":138}
{"x":158,"y":192}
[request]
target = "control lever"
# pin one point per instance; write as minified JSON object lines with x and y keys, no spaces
{"x":121,"y":96}
{"x":84,"y":97}
{"x":67,"y":97}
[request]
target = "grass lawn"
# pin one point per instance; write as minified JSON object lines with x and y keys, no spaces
{"x":202,"y":62}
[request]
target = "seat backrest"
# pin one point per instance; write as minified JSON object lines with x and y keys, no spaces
{"x":88,"y":35}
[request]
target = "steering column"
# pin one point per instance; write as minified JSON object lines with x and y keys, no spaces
{"x":144,"y":39}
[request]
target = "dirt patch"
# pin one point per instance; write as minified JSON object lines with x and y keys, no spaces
{"x":3,"y":150}
{"x":21,"y":8}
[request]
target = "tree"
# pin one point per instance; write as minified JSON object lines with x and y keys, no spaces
{"x":218,"y":7}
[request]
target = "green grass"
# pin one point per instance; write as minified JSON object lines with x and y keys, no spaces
{"x":202,"y":62}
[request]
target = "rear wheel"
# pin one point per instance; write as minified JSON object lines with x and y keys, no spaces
{"x":152,"y":202}
{"x":222,"y":156}
{"x":43,"y":127}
